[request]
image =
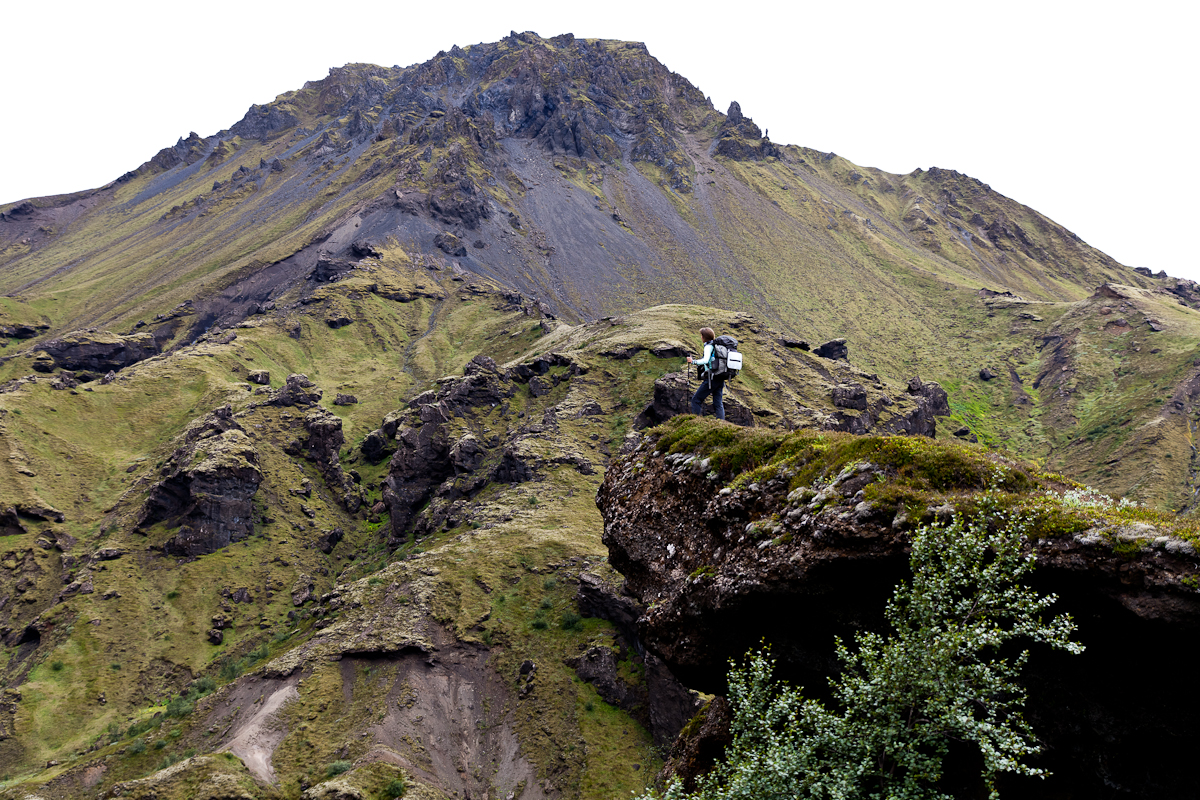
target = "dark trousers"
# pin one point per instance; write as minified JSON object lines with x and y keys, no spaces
{"x":715,"y":386}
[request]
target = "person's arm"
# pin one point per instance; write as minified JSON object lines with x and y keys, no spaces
{"x":706,"y":359}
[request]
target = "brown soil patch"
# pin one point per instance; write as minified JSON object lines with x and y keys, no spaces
{"x":256,"y":731}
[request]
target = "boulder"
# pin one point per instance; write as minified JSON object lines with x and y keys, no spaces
{"x":297,"y":391}
{"x":672,"y":396}
{"x":97,"y":351}
{"x":376,"y":446}
{"x":64,"y":380}
{"x":834,"y":349}
{"x":328,"y":540}
{"x":365,"y":250}
{"x":937,"y":402}
{"x":321,"y":445}
{"x":208,"y":488}
{"x":330,"y":269}
{"x":303,"y":588}
{"x":850,"y":396}
{"x":259,"y":376}
{"x":450,"y":244}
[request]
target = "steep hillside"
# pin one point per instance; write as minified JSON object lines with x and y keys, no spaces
{"x":301,"y":424}
{"x":406,"y":519}
{"x":586,"y":176}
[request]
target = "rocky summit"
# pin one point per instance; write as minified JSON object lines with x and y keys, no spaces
{"x":346,"y":453}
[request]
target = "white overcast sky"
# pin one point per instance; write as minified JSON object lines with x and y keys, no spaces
{"x":1085,"y":111}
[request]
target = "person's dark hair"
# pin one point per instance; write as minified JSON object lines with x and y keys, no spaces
{"x":707,"y":334}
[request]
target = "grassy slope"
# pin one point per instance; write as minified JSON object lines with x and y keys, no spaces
{"x":493,"y":583}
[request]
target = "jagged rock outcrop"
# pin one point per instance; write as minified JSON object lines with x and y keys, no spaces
{"x":19,"y":331}
{"x":184,"y":151}
{"x":855,"y":410}
{"x":297,"y":391}
{"x":321,"y":445}
{"x":430,"y":454}
{"x":322,"y":439}
{"x":936,"y":400}
{"x":739,"y":138}
{"x":95,"y":351}
{"x":207,"y":488}
{"x":450,"y":244}
{"x":834,"y":349}
{"x":261,"y":122}
{"x":700,"y":746}
{"x":443,"y":457}
{"x":454,"y":197}
{"x":860,"y":415}
{"x":662,"y":703}
{"x":673,"y":395}
{"x":721,"y":564}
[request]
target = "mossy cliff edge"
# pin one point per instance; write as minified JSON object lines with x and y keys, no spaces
{"x":731,"y":538}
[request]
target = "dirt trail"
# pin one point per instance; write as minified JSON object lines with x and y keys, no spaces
{"x":256,"y":738}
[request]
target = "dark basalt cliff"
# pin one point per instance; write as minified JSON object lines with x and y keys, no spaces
{"x":207,"y":488}
{"x":721,"y":568}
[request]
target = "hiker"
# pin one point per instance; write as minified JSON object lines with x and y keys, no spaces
{"x":709,"y":383}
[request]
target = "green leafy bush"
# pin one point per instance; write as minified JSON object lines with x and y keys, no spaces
{"x":179,"y":707}
{"x":337,"y":768}
{"x":944,"y":674}
{"x":395,"y":788}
